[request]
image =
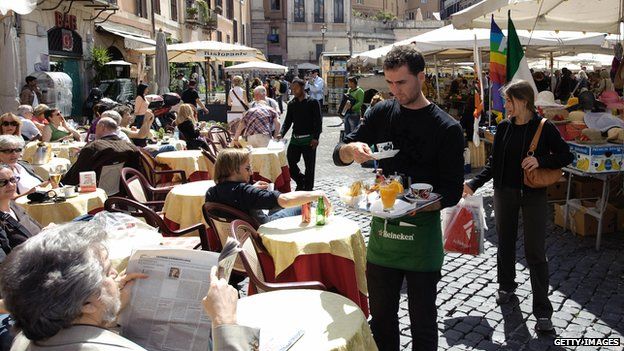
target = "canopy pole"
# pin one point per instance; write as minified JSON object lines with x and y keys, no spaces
{"x":435,"y":62}
{"x":207,"y":79}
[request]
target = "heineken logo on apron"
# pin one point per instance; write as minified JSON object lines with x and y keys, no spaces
{"x":396,"y":236}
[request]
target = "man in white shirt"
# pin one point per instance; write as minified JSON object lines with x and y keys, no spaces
{"x":260,"y":94}
{"x":316,"y":85}
{"x":29,"y":130}
{"x":117,"y":118}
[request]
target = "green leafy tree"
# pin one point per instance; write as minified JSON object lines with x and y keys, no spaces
{"x":99,"y":58}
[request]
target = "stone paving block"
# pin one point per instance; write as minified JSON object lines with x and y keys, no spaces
{"x":463,"y":327}
{"x":453,"y":335}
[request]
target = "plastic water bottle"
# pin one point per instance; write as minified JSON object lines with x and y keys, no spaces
{"x":176,"y":133}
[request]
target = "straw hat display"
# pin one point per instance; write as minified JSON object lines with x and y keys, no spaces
{"x":591,"y":136}
{"x":546,"y":99}
{"x":557,"y":115}
{"x":611,"y":99}
{"x":616,"y":135}
{"x":576,"y":116}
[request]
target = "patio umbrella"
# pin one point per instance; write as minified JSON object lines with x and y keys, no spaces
{"x":23,"y":7}
{"x":602,"y":16}
{"x":9,"y":84}
{"x":200,"y":51}
{"x":162,"y":63}
{"x":257,"y":67}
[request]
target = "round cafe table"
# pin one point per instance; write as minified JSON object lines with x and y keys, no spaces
{"x":68,"y":151}
{"x":192,"y":162}
{"x":178,"y":144}
{"x":334,"y":254}
{"x":183,"y":207}
{"x":328,"y":321}
{"x":271,"y":165}
{"x":44,"y":170}
{"x":61,"y":212}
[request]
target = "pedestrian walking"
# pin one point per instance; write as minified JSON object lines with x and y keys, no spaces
{"x":507,"y":165}
{"x":409,"y":248}
{"x":304,"y":116}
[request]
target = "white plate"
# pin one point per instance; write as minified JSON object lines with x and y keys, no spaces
{"x":400,"y":208}
{"x":384,"y":154}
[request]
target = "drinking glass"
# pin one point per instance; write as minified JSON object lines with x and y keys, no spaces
{"x":388,"y":194}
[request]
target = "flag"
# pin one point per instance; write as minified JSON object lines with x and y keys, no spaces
{"x":517,"y":65}
{"x":478,"y":94}
{"x":498,"y":70}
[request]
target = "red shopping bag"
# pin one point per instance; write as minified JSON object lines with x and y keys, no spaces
{"x":466,"y":228}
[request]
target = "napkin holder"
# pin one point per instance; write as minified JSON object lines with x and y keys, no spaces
{"x":88,"y":182}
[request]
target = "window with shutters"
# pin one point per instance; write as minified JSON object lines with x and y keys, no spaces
{"x":174,"y":10}
{"x":338,"y":11}
{"x":299,"y":11}
{"x":319,"y":11}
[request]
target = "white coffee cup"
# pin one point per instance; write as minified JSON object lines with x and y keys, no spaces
{"x":421,"y":191}
{"x":69,"y":190}
{"x":271,"y":187}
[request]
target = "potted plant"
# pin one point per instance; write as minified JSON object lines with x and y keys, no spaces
{"x":191,"y":13}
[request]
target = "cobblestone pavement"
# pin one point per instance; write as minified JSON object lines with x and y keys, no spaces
{"x":587,"y":287}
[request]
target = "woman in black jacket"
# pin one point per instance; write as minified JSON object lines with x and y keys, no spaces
{"x":507,"y":165}
{"x":187,"y":126}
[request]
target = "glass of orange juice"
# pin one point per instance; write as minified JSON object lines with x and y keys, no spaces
{"x":388,"y":193}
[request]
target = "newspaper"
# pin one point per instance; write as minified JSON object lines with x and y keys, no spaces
{"x":227,"y":258}
{"x":165,"y":312}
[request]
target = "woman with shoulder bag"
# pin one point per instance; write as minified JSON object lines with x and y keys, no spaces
{"x":237,"y":99}
{"x":513,"y":166}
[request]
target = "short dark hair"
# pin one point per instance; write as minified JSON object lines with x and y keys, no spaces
{"x":315,"y":71}
{"x":30,"y":79}
{"x":353,"y":79}
{"x":405,"y":55}
{"x":521,"y":90}
{"x":192,"y":83}
{"x":48,"y":113}
{"x":298,"y":81}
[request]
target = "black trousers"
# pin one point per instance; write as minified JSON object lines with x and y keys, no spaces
{"x":279,"y":102}
{"x":293,"y":154}
{"x":507,"y":205}
{"x":384,"y":292}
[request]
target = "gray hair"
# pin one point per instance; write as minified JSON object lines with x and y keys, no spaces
{"x":23,"y":109}
{"x":108,"y":123}
{"x":46,"y":280}
{"x":114,"y":115}
{"x":260,"y":90}
{"x":11,"y":141}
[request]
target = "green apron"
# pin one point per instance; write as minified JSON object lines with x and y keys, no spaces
{"x":408,"y":243}
{"x":305,"y":141}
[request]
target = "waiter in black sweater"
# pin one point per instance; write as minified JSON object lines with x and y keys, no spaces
{"x":305,"y":117}
{"x":431,"y":148}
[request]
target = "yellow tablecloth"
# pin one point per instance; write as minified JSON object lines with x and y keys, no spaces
{"x":61,"y":212}
{"x":178,"y":144}
{"x":329,"y":321}
{"x":268,"y":163}
{"x":287,"y":238}
{"x":190,"y":161}
{"x":183,"y":204}
{"x":68,"y":151}
{"x":44,"y":170}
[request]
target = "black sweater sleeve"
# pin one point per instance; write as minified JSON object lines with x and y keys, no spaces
{"x":560,"y":155}
{"x":188,"y":130}
{"x":451,"y":166}
{"x":317,"y":122}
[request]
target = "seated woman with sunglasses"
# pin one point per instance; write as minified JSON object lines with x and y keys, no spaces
{"x":15,"y":224}
{"x":57,"y":129}
{"x":10,"y":124}
{"x":11,"y":147}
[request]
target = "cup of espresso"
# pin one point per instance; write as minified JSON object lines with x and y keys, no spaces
{"x":421,"y":191}
{"x":69,"y":190}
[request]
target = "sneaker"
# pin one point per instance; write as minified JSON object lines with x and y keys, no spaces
{"x":544,"y":325}
{"x":503,"y":297}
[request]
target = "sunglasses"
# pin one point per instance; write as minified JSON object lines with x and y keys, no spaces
{"x":12,"y":123}
{"x":9,"y":151}
{"x":13,"y":180}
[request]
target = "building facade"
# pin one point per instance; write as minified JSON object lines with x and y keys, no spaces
{"x":449,"y":7}
{"x":60,"y":35}
{"x":269,"y":29}
{"x":305,"y":20}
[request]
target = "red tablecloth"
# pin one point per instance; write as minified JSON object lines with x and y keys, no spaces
{"x":335,"y":272}
{"x":282,"y":183}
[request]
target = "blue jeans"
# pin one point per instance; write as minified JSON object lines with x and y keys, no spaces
{"x":262,"y":218}
{"x":351,"y":122}
{"x":163,"y":148}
